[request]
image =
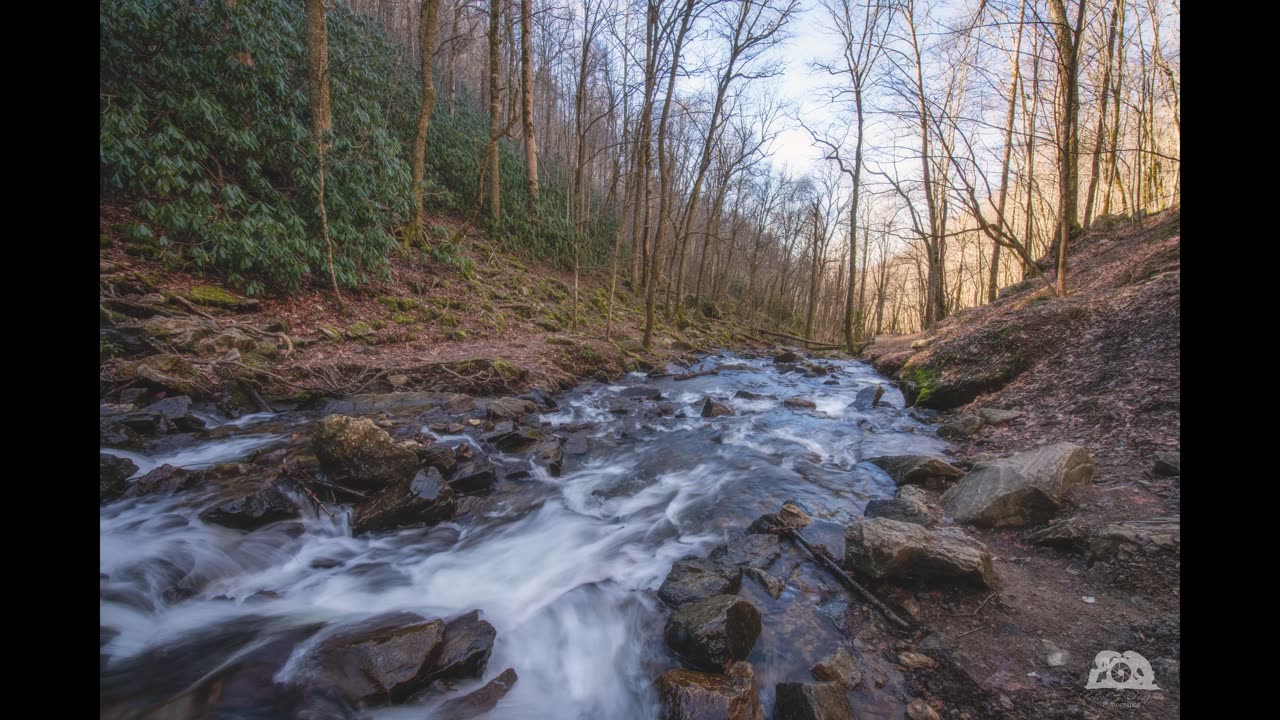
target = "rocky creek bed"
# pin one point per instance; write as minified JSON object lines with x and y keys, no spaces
{"x":620,"y":550}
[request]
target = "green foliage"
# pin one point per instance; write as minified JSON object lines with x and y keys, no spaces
{"x":205,"y":125}
{"x":205,"y":133}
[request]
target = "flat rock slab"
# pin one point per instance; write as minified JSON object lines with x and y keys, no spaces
{"x":997,"y":416}
{"x":694,"y":578}
{"x":916,"y":469}
{"x":899,"y":551}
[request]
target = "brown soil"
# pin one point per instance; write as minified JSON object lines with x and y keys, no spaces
{"x":505,"y":327}
{"x":1100,"y":369}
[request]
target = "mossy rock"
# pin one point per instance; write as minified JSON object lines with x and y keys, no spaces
{"x":402,"y":318}
{"x":210,"y":296}
{"x":360,"y":330}
{"x":401,"y":304}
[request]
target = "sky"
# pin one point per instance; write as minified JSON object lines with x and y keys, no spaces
{"x":800,"y":85}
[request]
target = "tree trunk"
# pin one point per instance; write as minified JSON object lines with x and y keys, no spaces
{"x":526,"y":93}
{"x":429,"y":10}
{"x":321,"y":120}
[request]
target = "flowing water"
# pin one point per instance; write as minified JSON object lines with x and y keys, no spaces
{"x":563,"y":567}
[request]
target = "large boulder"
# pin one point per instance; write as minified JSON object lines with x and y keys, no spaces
{"x":916,"y":469}
{"x":868,"y":398}
{"x":710,"y":633}
{"x":1168,"y":463}
{"x":910,"y":505}
{"x":171,"y":372}
{"x":357,"y":453}
{"x":695,"y":578}
{"x":164,"y":480}
{"x":811,"y":701}
{"x":1024,"y":489}
{"x":900,"y":551}
{"x":426,"y":499}
{"x":113,"y":471}
{"x":693,"y":695}
{"x":378,"y":661}
{"x":252,"y":511}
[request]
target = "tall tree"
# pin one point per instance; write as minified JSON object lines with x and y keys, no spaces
{"x":1067,"y":40}
{"x":526,"y":94}
{"x":428,"y":13}
{"x":321,"y":119}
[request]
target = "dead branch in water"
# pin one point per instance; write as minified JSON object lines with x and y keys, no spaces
{"x":825,"y":559}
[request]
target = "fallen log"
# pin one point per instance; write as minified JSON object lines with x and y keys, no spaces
{"x":692,"y":375}
{"x":813,"y":344}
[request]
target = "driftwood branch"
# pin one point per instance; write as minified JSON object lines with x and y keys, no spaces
{"x":849,"y":582}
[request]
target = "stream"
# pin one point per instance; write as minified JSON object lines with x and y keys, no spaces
{"x":565,"y":568}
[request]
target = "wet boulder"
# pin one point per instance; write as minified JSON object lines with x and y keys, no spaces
{"x":252,"y":511}
{"x":786,"y":356}
{"x":113,"y":471}
{"x":868,"y":398}
{"x":164,"y":480}
{"x":426,"y":499}
{"x":771,"y":584}
{"x":917,"y":469}
{"x":746,"y":550}
{"x":474,"y":477}
{"x":164,"y":416}
{"x":910,"y":505}
{"x":479,"y":702}
{"x":800,"y":403}
{"x":468,"y":642}
{"x":357,"y":453}
{"x":811,"y":701}
{"x":378,"y":661}
{"x":708,"y":634}
{"x":1024,"y":489}
{"x":113,"y":433}
{"x":693,"y":695}
{"x":520,"y":438}
{"x":550,"y":452}
{"x":961,"y":427}
{"x":695,"y":578}
{"x":748,"y":395}
{"x":711,"y":408}
{"x":888,"y":549}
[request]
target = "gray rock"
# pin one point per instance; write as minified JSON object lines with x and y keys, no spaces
{"x":642,"y":393}
{"x":868,"y":398}
{"x":708,"y":634}
{"x":381,"y":660}
{"x":889,"y":549}
{"x":695,"y":578}
{"x":840,"y":668}
{"x":916,"y":469}
{"x":358,"y":454}
{"x":771,"y":584}
{"x":476,"y":477}
{"x":918,"y":709}
{"x":468,"y":642}
{"x":1136,"y":537}
{"x":164,"y":480}
{"x":996,"y":416}
{"x":811,"y":701}
{"x":1053,"y":655}
{"x":692,"y":695}
{"x":961,"y":427}
{"x":1025,"y":489}
{"x":911,"y":505}
{"x":1069,"y":534}
{"x":786,"y":357}
{"x":511,"y":407}
{"x":1168,"y":463}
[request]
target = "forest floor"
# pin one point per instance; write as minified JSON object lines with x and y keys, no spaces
{"x":482,"y":321}
{"x":1099,"y":369}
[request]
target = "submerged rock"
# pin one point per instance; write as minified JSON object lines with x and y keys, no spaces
{"x":426,"y":499}
{"x":164,"y":480}
{"x":893,"y":550}
{"x":803,"y":403}
{"x":694,"y":695}
{"x":357,"y":453}
{"x":710,"y":633}
{"x":916,"y":469}
{"x":811,"y":701}
{"x":839,"y":668}
{"x":695,"y":578}
{"x":479,"y":702}
{"x":1025,"y":489}
{"x":918,"y":709}
{"x":642,"y":393}
{"x":747,"y":550}
{"x":252,"y":511}
{"x":786,"y":356}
